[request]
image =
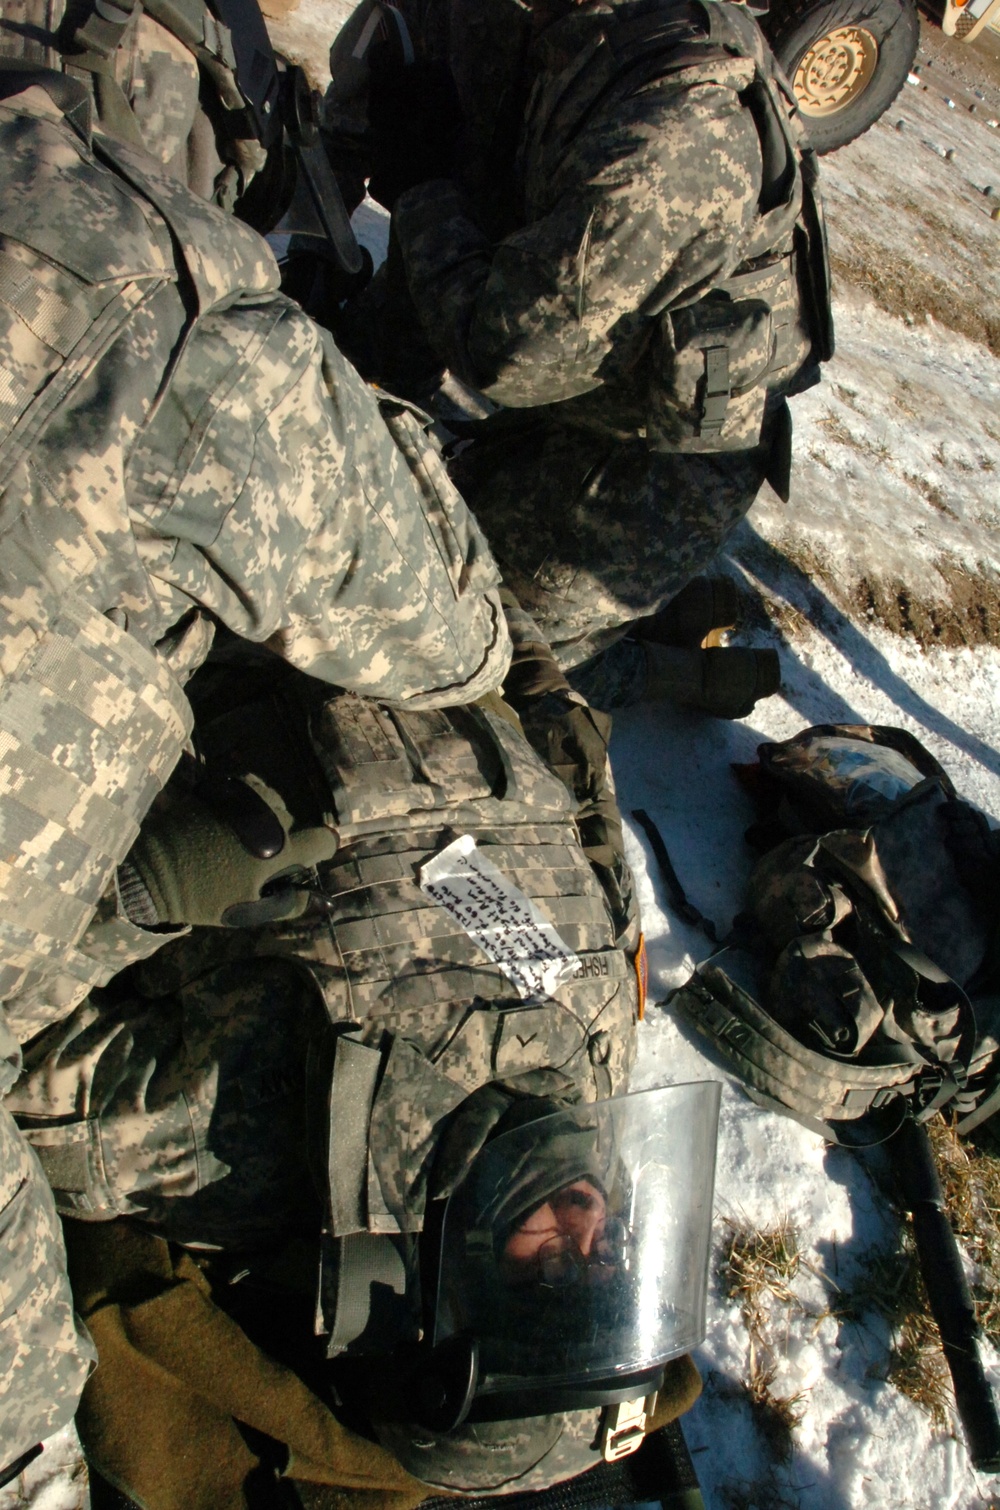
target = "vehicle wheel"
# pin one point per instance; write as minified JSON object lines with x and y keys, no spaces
{"x":847,"y":61}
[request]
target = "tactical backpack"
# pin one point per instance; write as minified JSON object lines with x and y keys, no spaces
{"x":865,"y":971}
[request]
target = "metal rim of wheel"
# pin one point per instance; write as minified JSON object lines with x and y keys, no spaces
{"x":835,"y":71}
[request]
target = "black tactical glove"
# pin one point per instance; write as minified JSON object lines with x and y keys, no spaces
{"x":416,"y":124}
{"x":227,"y":856}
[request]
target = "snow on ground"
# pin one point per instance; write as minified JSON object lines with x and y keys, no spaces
{"x":894,"y":510}
{"x":860,"y":1443}
{"x":892,"y":524}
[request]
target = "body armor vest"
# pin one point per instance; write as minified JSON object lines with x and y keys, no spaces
{"x":761,"y":333}
{"x":422,"y":1018}
{"x":714,"y":371}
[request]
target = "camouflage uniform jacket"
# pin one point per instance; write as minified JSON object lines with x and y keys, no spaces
{"x":621,"y":151}
{"x":178,"y":445}
{"x":177,"y":441}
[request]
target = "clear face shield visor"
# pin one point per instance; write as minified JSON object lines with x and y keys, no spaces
{"x":574,"y":1251}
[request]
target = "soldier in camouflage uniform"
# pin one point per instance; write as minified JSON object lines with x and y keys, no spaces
{"x":608,"y":259}
{"x":207,"y":1078}
{"x":179,"y":448}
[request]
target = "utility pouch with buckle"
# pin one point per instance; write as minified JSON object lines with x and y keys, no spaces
{"x":709,"y":362}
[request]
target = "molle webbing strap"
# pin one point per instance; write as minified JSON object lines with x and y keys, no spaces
{"x":389,"y":983}
{"x":773,"y":1063}
{"x":431,"y":924}
{"x":355,"y":1077}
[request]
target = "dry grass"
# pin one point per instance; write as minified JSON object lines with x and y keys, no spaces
{"x":837,"y":431}
{"x":902,"y":287}
{"x":934,"y":495}
{"x":757,"y":1269}
{"x":891,"y":1286}
{"x":970,"y":1175}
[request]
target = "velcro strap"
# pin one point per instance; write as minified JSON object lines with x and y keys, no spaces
{"x":55,"y":320}
{"x":717,"y":390}
{"x":363,"y":1264}
{"x":356,"y":1070}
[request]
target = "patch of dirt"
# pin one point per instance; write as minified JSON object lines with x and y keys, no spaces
{"x":970,"y":616}
{"x":902,"y":288}
{"x":976,"y":65}
{"x":966,"y":614}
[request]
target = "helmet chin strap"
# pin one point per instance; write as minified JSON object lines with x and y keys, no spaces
{"x":623,"y":1427}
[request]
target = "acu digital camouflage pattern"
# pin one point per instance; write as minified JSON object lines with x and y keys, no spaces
{"x":602,"y":191}
{"x":139,"y":1107}
{"x":178,"y":444}
{"x":45,"y":1356}
{"x":147,"y":90}
{"x":874,"y":974}
{"x":261,"y":484}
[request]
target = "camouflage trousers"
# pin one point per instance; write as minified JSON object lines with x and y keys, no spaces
{"x":45,"y":1353}
{"x":592,"y":533}
{"x":187,"y":1110}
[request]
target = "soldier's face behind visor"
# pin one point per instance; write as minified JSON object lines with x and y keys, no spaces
{"x":575,"y":1248}
{"x":566,"y":1239}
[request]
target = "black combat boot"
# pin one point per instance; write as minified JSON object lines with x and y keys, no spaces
{"x":725,"y":683}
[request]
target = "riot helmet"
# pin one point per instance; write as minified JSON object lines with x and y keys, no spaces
{"x":574,"y":1251}
{"x":567,"y":1269}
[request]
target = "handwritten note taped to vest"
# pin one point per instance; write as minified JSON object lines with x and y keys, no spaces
{"x":505,"y":923}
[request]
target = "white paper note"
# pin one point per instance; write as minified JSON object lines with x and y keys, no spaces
{"x":505,"y":923}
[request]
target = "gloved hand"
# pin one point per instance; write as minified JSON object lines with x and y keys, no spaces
{"x":416,"y":123}
{"x":228,"y":856}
